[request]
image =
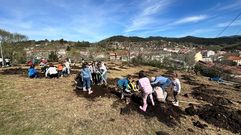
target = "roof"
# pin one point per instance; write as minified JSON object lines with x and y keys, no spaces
{"x":234,"y":58}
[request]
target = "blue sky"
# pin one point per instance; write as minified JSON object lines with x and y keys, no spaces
{"x":94,"y":20}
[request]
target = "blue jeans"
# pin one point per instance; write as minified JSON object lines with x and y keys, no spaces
{"x":35,"y":75}
{"x":166,"y":84}
{"x":86,"y":83}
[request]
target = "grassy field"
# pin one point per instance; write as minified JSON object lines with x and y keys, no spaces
{"x":53,"y":106}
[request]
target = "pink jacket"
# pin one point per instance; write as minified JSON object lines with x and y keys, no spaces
{"x":145,"y":84}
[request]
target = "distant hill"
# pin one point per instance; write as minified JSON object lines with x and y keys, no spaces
{"x":223,"y":41}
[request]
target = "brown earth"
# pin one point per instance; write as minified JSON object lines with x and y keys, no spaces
{"x":45,"y":106}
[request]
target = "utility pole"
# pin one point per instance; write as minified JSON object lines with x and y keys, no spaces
{"x":1,"y":49}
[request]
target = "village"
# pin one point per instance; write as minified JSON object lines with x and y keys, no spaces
{"x":162,"y":53}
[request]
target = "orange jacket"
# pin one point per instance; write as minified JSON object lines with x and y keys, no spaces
{"x":60,"y":67}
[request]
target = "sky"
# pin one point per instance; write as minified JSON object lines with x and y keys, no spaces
{"x":95,"y":20}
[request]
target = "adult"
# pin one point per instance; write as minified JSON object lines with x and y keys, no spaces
{"x":51,"y":72}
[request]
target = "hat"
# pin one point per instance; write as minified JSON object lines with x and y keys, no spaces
{"x":153,"y":79}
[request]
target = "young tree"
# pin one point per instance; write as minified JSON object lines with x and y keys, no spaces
{"x":53,"y":57}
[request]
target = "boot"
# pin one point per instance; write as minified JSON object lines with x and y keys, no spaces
{"x":143,"y":108}
{"x":90,"y":91}
{"x":122,"y":96}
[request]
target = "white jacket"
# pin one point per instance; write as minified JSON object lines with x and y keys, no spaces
{"x":51,"y":70}
{"x":176,"y":85}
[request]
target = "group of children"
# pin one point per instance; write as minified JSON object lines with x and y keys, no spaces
{"x":156,"y":86}
{"x":91,"y":73}
{"x":50,"y":71}
{"x":96,"y":73}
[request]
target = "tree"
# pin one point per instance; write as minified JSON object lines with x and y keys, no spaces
{"x":53,"y":57}
{"x":68,"y":48}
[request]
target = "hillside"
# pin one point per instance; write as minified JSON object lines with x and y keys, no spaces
{"x":222,"y":41}
{"x":40,"y":106}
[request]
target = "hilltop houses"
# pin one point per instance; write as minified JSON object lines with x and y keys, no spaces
{"x":235,"y":59}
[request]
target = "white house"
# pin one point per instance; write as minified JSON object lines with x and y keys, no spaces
{"x":208,"y":53}
{"x":235,"y":59}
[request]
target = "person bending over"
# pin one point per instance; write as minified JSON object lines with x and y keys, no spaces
{"x":51,"y":72}
{"x":145,"y":87}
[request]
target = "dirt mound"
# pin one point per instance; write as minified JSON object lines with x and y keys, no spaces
{"x":199,"y":124}
{"x":221,"y":116}
{"x":14,"y":71}
{"x":210,"y":95}
{"x":19,"y":71}
{"x":189,"y":80}
{"x":191,"y":110}
{"x":165,"y":112}
{"x":162,"y":133}
{"x":98,"y":91}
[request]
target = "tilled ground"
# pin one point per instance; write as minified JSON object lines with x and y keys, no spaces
{"x":54,"y":106}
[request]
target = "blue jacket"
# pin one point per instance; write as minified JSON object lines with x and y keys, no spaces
{"x":123,"y":83}
{"x":86,"y":73}
{"x":31,"y":71}
{"x":160,"y":79}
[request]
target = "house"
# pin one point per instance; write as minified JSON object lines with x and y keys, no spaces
{"x":208,"y":53}
{"x":207,"y":59}
{"x":171,"y":50}
{"x":221,"y":52}
{"x":198,"y":57}
{"x":119,"y":55}
{"x":235,"y":59}
{"x":61,"y":52}
{"x":112,"y":56}
{"x":84,"y":53}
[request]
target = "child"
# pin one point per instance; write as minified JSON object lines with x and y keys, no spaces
{"x":32,"y":72}
{"x":133,"y":85}
{"x":51,"y":72}
{"x":60,"y":69}
{"x":176,"y":88}
{"x":123,"y":86}
{"x":103,"y":71}
{"x":86,"y":77}
{"x":160,"y":94}
{"x":67,"y":67}
{"x":145,"y":86}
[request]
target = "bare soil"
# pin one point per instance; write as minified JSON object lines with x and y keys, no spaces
{"x":55,"y":106}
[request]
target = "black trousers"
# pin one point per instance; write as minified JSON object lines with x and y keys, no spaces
{"x":94,"y":78}
{"x":53,"y":75}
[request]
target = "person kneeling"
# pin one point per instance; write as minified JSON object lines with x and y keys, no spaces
{"x":32,"y":72}
{"x":51,"y":72}
{"x":124,"y":86}
{"x":160,"y":94}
